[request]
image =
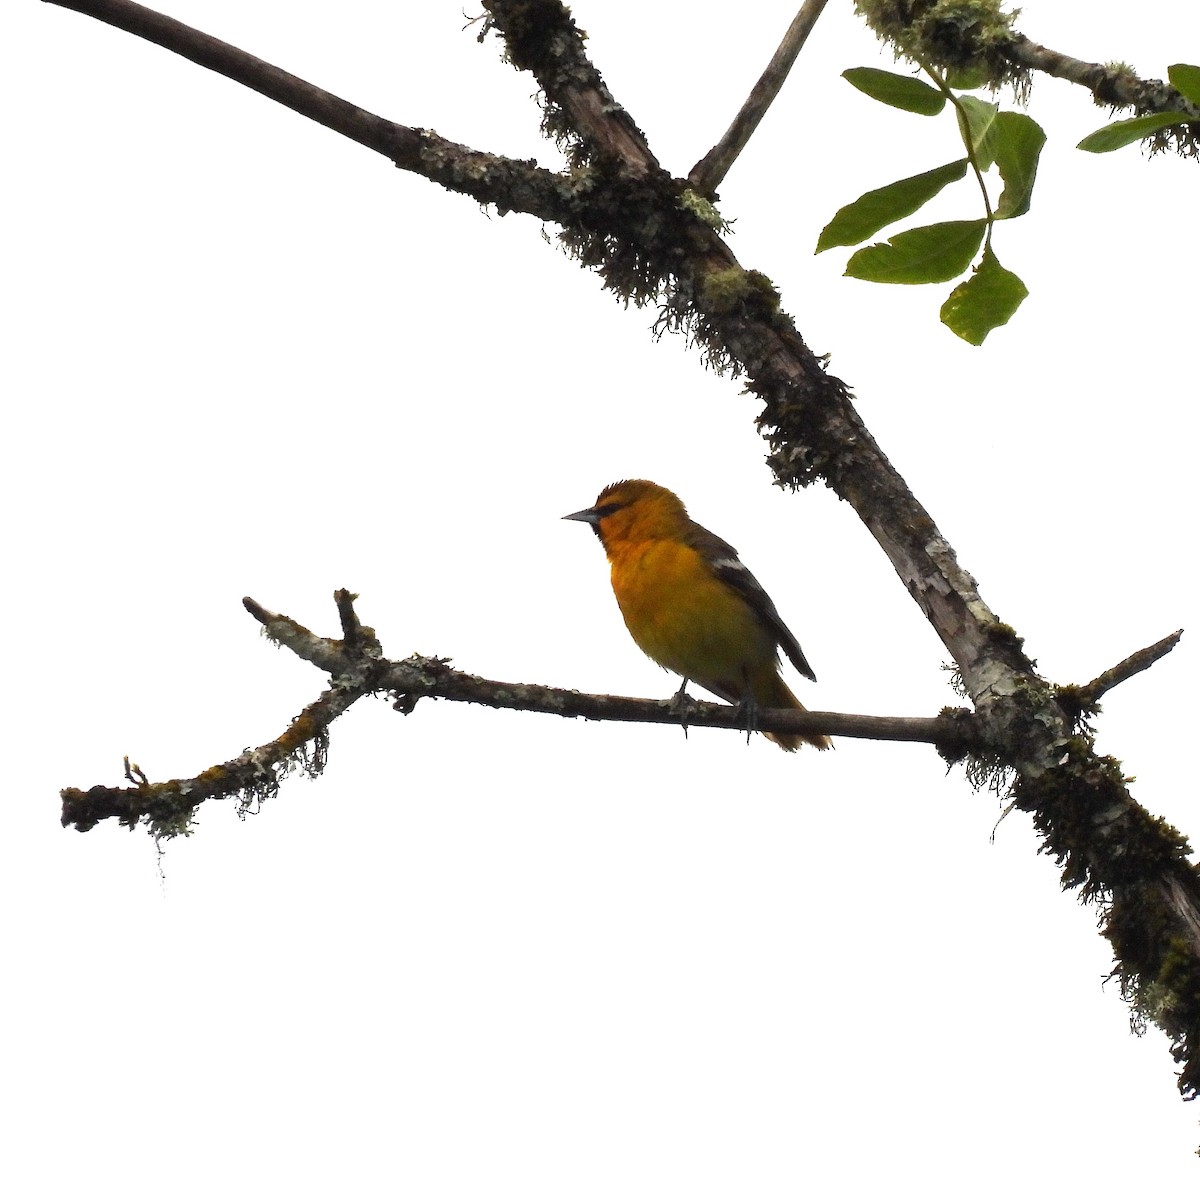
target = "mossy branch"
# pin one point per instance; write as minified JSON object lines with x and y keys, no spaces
{"x":357,"y":668}
{"x":975,"y":39}
{"x":1113,"y":85}
{"x":167,"y":808}
{"x":1137,"y":869}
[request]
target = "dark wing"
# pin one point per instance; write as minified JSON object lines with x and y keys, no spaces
{"x":729,"y":569}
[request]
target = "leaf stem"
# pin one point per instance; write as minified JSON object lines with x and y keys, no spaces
{"x":964,"y":131}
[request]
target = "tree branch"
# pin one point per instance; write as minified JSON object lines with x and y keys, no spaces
{"x":1128,"y":667}
{"x":979,"y":40}
{"x":253,"y":776}
{"x":540,"y":36}
{"x":707,"y":174}
{"x":420,"y":676}
{"x":1110,"y":83}
{"x":510,"y":184}
{"x":357,"y":668}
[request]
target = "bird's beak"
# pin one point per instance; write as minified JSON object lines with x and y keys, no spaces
{"x":584,"y":514}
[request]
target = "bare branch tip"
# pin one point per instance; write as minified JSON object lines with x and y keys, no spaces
{"x":707,"y":174}
{"x":1137,"y":662}
{"x":256,"y":610}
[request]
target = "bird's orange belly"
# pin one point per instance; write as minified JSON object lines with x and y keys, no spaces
{"x":689,"y":621}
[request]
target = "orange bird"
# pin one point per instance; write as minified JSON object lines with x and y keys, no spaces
{"x":691,"y":605}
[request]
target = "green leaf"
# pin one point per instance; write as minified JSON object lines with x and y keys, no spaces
{"x":867,"y":215}
{"x":985,"y":301}
{"x":900,"y":91}
{"x":1017,"y":141}
{"x":930,"y":254}
{"x":975,"y":120}
{"x":1121,"y":133}
{"x":1185,"y":79}
{"x":965,"y":79}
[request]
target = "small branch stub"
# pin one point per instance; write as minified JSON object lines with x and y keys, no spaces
{"x":1131,"y":666}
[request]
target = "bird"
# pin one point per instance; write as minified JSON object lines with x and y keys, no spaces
{"x":691,"y":606}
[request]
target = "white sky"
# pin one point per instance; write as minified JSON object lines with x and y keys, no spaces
{"x":491,"y":954}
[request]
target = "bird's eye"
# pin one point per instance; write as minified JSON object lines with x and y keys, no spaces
{"x":607,"y":510}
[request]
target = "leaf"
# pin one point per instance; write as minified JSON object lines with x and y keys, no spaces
{"x":857,"y":221}
{"x":1185,"y":79}
{"x":900,"y":91}
{"x":985,"y":301}
{"x":1121,"y":133}
{"x":975,"y":119}
{"x":1017,"y":141}
{"x":966,"y":79}
{"x":930,"y":254}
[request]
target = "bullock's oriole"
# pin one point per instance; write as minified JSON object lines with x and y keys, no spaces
{"x":690,"y":604}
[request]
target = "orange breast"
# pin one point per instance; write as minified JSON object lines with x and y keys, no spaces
{"x":687,"y":620}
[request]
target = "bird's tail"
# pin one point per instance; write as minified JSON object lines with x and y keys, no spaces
{"x":772,"y":692}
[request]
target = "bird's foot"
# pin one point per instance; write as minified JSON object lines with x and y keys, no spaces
{"x":682,"y":705}
{"x":748,"y":716}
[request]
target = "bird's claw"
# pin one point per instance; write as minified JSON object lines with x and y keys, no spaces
{"x":748,"y":716}
{"x":682,"y":705}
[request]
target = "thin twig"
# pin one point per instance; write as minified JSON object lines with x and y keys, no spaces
{"x":707,"y":174}
{"x":1128,"y":667}
{"x":425,"y":676}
